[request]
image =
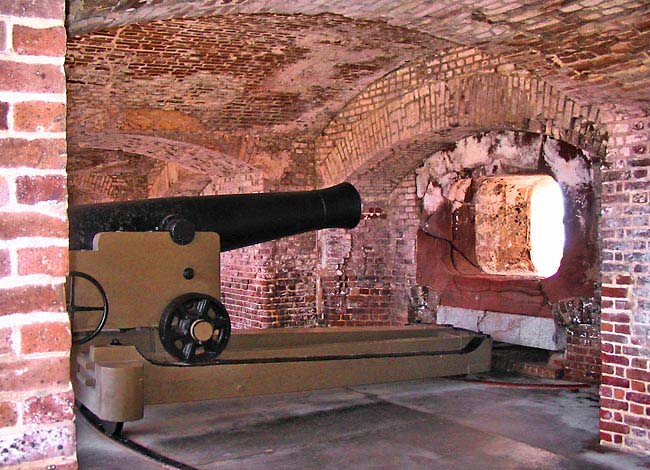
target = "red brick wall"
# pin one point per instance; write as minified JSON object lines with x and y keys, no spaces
{"x":625,"y":327}
{"x":361,"y":277}
{"x":245,"y":285}
{"x":411,"y":103}
{"x":365,"y":275}
{"x":403,"y":215}
{"x":582,"y":357}
{"x":355,"y":275}
{"x":36,"y":400}
{"x":430,"y":96}
{"x":271,"y":285}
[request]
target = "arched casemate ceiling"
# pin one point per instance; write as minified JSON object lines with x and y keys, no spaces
{"x":260,"y":81}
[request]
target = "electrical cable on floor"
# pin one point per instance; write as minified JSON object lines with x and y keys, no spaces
{"x":134,"y":446}
{"x":542,"y":386}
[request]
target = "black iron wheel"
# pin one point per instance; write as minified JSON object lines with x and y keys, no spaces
{"x":73,"y":308}
{"x":194,"y":328}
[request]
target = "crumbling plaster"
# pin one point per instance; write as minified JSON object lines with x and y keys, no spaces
{"x":596,"y":50}
{"x":443,"y":183}
{"x":248,"y":88}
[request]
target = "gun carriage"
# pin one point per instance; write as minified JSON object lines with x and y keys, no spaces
{"x":148,"y":326}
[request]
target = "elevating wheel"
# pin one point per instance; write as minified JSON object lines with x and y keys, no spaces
{"x":195,"y":328}
{"x":73,"y":308}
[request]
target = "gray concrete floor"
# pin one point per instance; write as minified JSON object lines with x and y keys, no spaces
{"x":427,"y":424}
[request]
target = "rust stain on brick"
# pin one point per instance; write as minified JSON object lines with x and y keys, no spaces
{"x":157,"y":119}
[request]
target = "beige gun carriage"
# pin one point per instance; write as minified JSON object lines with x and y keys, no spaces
{"x":149,"y":327}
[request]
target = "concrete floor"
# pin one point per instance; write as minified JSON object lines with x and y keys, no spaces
{"x":427,"y":424}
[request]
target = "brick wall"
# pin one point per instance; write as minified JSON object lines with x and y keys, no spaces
{"x":625,"y":328}
{"x":410,"y":103}
{"x":271,"y":285}
{"x":36,"y":400}
{"x":403,"y":215}
{"x":452,"y":94}
{"x":582,"y":361}
{"x":366,"y":274}
{"x":433,"y":101}
{"x":246,"y":284}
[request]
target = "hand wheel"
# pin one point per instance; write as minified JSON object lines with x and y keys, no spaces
{"x":73,"y":308}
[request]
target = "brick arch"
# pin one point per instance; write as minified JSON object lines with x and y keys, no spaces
{"x":190,"y":156}
{"x":452,"y":94}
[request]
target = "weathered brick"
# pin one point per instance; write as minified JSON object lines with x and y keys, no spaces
{"x":615,"y":381}
{"x":31,"y":224}
{"x":614,"y":427}
{"x":37,"y":444}
{"x":34,"y":374}
{"x":635,"y":397}
{"x":39,"y":116}
{"x":45,"y":154}
{"x":6,"y":341}
{"x":36,"y":78}
{"x":51,"y":260}
{"x":45,"y":337}
{"x":637,"y":421}
{"x":39,"y":41}
{"x":639,"y":386}
{"x":27,"y":299}
{"x":615,"y":317}
{"x":624,"y":329}
{"x":612,"y":338}
{"x":626,"y":280}
{"x":617,"y":292}
{"x":49,"y":409}
{"x":638,"y":374}
{"x":8,"y":414}
{"x":4,"y":115}
{"x":613,"y":359}
{"x":5,"y":263}
{"x":33,"y":8}
{"x":33,"y":189}
{"x":636,"y":409}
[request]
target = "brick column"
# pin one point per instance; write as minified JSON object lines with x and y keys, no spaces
{"x":36,"y":399}
{"x":625,"y":325}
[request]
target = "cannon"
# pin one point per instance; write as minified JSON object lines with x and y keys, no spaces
{"x":129,"y":257}
{"x":149,"y":327}
{"x":239,"y":219}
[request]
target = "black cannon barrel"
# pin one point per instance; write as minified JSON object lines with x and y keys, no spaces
{"x":239,"y":219}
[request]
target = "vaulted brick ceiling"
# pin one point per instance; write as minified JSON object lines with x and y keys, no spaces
{"x":251,"y":80}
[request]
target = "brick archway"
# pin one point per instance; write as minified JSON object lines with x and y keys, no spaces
{"x":194,"y":157}
{"x":445,"y":97}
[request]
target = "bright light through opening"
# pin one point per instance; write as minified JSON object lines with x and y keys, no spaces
{"x":546,"y":227}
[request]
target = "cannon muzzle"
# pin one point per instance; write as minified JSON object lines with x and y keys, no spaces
{"x":239,"y":219}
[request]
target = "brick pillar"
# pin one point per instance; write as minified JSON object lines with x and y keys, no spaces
{"x":625,"y":323}
{"x":36,"y":399}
